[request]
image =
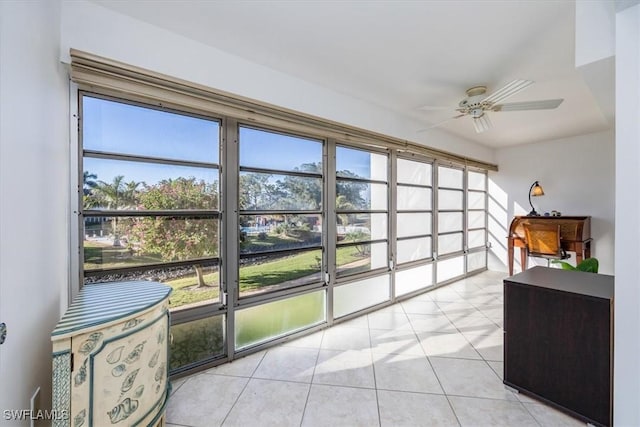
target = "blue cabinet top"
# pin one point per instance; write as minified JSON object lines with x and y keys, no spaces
{"x":100,"y":303}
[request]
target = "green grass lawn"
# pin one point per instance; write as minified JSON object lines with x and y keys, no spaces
{"x":105,"y":255}
{"x":253,"y":277}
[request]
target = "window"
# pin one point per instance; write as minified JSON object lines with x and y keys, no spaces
{"x":450,"y":222}
{"x":414,"y":211}
{"x":280,"y":199}
{"x":150,"y":208}
{"x":361,"y":211}
{"x":476,"y":220}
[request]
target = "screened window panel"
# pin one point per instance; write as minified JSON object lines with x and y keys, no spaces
{"x":187,"y":293}
{"x":477,"y":181}
{"x":359,"y":295}
{"x":354,"y":163}
{"x":116,"y":127}
{"x":476,"y":200}
{"x":120,"y":242}
{"x":413,"y":224}
{"x":450,"y":200}
{"x":357,"y":195}
{"x":476,"y":261}
{"x":264,"y":191}
{"x":271,"y":150}
{"x":476,"y":238}
{"x":127,"y":185}
{"x":450,"y":268}
{"x":264,"y":233}
{"x":260,"y":273}
{"x":476,"y":219}
{"x":449,"y":221}
{"x":449,"y":243}
{"x":196,"y":341}
{"x":265,"y":322}
{"x":358,"y":227}
{"x":411,"y":172}
{"x":413,"y":198}
{"x":352,"y":259}
{"x":413,"y":249}
{"x":414,"y":279}
{"x":449,"y":177}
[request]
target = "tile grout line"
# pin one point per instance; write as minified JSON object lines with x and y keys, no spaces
{"x":432,"y":368}
{"x":313,"y":374}
{"x":373,"y":368}
{"x":243,"y":389}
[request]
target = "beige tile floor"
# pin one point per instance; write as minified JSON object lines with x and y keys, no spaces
{"x":433,"y":360}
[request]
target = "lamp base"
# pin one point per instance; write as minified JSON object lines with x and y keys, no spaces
{"x":533,"y":213}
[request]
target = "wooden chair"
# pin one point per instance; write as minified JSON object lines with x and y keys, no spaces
{"x":543,"y":241}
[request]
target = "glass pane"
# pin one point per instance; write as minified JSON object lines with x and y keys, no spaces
{"x":413,"y":224}
{"x":450,"y":268}
{"x":262,"y":191}
{"x":477,"y":181}
{"x":359,"y":258}
{"x":361,"y":227}
{"x":268,"y":273}
{"x":193,"y":285}
{"x":476,"y":219}
{"x":122,"y":185}
{"x":410,"y":172}
{"x":359,"y":295}
{"x":353,"y":195}
{"x":449,"y":243}
{"x":476,"y":238}
{"x":196,"y":341}
{"x":264,"y":322}
{"x":413,"y":198}
{"x":118,"y":242}
{"x":271,"y":150}
{"x":413,"y":249}
{"x":449,"y":221}
{"x":450,"y":200}
{"x":449,"y":177}
{"x":413,"y":279}
{"x":475,"y":200}
{"x":476,"y":261}
{"x":128,"y":129}
{"x":353,"y":163}
{"x":262,"y":233}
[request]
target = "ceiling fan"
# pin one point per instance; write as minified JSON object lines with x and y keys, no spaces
{"x":477,"y":104}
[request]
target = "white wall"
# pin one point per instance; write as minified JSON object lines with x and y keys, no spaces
{"x":33,"y":207}
{"x":577,"y":175}
{"x":627,"y":295}
{"x":95,"y":29}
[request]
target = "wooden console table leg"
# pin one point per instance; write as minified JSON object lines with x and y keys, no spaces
{"x":524,"y":259}
{"x":510,"y":256}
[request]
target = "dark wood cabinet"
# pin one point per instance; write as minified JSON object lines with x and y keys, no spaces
{"x":558,"y":340}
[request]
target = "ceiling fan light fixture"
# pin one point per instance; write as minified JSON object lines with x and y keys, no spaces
{"x":482,"y":123}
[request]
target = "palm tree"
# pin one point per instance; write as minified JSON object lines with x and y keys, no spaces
{"x":116,"y":195}
{"x":88,"y":182}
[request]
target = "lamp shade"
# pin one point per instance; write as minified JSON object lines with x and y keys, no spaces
{"x":537,"y":190}
{"x":534,"y":190}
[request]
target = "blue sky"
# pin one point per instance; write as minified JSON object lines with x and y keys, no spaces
{"x":121,"y":128}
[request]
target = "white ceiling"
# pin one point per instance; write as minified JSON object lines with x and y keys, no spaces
{"x":406,"y":54}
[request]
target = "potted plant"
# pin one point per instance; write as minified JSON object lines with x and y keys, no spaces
{"x":589,"y":265}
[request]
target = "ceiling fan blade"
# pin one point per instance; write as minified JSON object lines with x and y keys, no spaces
{"x":506,"y":91}
{"x":482,"y":123}
{"x":439,"y":123}
{"x":547,"y":104}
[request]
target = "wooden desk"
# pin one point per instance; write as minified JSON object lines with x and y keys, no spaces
{"x":575,"y":236}
{"x":558,"y":340}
